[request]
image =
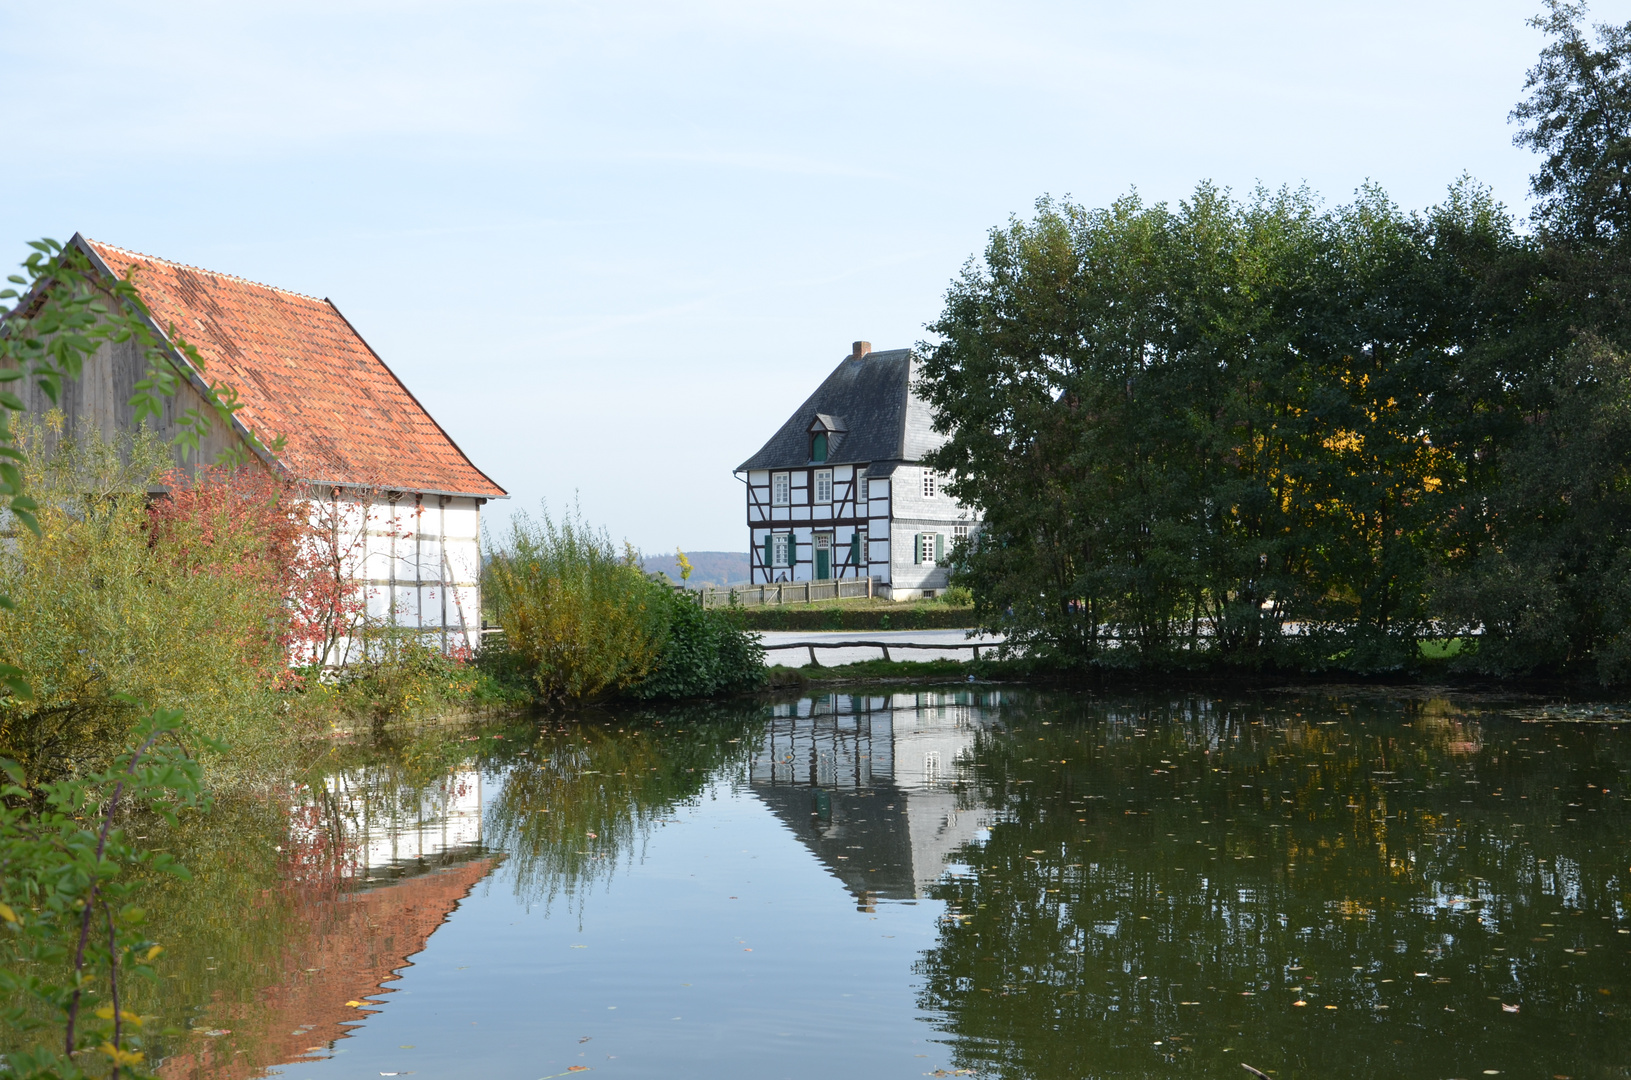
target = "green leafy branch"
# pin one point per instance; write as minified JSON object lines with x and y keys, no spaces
{"x":64,"y":869}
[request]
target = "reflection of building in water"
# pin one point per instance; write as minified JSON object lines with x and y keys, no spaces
{"x":374,"y":868}
{"x":867,"y":782}
{"x":387,"y":831}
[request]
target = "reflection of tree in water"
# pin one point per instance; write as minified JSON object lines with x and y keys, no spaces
{"x":1167,"y":883}
{"x":579,"y":796}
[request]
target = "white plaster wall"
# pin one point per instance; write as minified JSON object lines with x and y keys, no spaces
{"x":417,"y":564}
{"x":878,"y":501}
{"x":912,"y":513}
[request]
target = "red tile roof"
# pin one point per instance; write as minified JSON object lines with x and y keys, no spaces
{"x":304,"y":373}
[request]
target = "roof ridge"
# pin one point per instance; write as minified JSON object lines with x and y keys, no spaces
{"x":201,"y":270}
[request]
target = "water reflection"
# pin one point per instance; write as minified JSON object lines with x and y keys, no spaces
{"x":577,"y":798}
{"x":870,"y":783}
{"x":383,"y":831}
{"x":370,"y":867}
{"x":1322,"y":885}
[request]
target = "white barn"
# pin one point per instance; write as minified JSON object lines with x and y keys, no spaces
{"x":841,"y":491}
{"x":354,"y":436}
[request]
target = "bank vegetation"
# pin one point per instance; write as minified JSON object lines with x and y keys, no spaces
{"x":1261,"y":433}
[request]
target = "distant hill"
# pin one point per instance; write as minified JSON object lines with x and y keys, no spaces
{"x":707,"y":567}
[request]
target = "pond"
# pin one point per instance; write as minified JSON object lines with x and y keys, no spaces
{"x":932,"y":881}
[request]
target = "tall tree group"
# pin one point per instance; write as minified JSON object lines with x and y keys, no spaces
{"x":1263,"y":433}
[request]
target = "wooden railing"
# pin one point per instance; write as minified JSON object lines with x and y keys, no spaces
{"x":884,"y":645}
{"x":788,"y":592}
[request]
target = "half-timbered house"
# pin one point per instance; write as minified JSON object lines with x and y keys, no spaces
{"x":841,"y":491}
{"x":403,"y":500}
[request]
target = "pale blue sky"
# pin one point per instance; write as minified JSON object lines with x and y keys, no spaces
{"x":612,"y":246}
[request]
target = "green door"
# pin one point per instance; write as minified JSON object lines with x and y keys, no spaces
{"x":823,"y":563}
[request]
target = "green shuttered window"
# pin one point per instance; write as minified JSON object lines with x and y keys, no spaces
{"x":929,"y":548}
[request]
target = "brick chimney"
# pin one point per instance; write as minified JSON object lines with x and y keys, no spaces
{"x":861,"y":348}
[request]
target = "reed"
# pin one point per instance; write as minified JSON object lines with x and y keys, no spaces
{"x":578,"y":613}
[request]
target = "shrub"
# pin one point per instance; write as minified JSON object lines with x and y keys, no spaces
{"x":576,"y":613}
{"x":706,"y":652}
{"x":244,"y":523}
{"x":405,"y":676}
{"x":108,"y":609}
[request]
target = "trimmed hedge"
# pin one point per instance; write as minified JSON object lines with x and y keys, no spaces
{"x":902,"y":617}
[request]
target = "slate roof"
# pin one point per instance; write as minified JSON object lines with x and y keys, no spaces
{"x":872,"y":397}
{"x":303,"y":372}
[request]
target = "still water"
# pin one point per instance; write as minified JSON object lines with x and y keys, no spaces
{"x":926,"y":882}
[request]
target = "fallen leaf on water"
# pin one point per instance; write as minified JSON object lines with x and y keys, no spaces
{"x":353,"y":1004}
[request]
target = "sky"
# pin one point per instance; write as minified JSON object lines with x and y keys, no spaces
{"x":612,"y":247}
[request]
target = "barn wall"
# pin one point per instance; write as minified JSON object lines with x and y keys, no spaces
{"x":417,"y":561}
{"x":100,"y":401}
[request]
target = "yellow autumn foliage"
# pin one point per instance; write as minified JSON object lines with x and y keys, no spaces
{"x":101,"y":614}
{"x":579,"y":616}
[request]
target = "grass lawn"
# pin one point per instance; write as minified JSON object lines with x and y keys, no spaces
{"x":859,"y":614}
{"x":1440,"y":648}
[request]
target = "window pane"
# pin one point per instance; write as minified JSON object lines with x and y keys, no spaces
{"x":823,"y":486}
{"x":778,"y":489}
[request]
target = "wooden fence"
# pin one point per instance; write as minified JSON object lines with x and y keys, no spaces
{"x":885,"y":646}
{"x":788,"y":592}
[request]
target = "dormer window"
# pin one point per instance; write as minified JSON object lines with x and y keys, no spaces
{"x":826,"y":432}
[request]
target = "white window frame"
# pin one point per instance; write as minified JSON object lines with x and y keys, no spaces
{"x":823,"y":486}
{"x":781,"y":489}
{"x":866,"y":490}
{"x":925,"y":549}
{"x":928,"y":483}
{"x":959,"y":532}
{"x":781,"y":548}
